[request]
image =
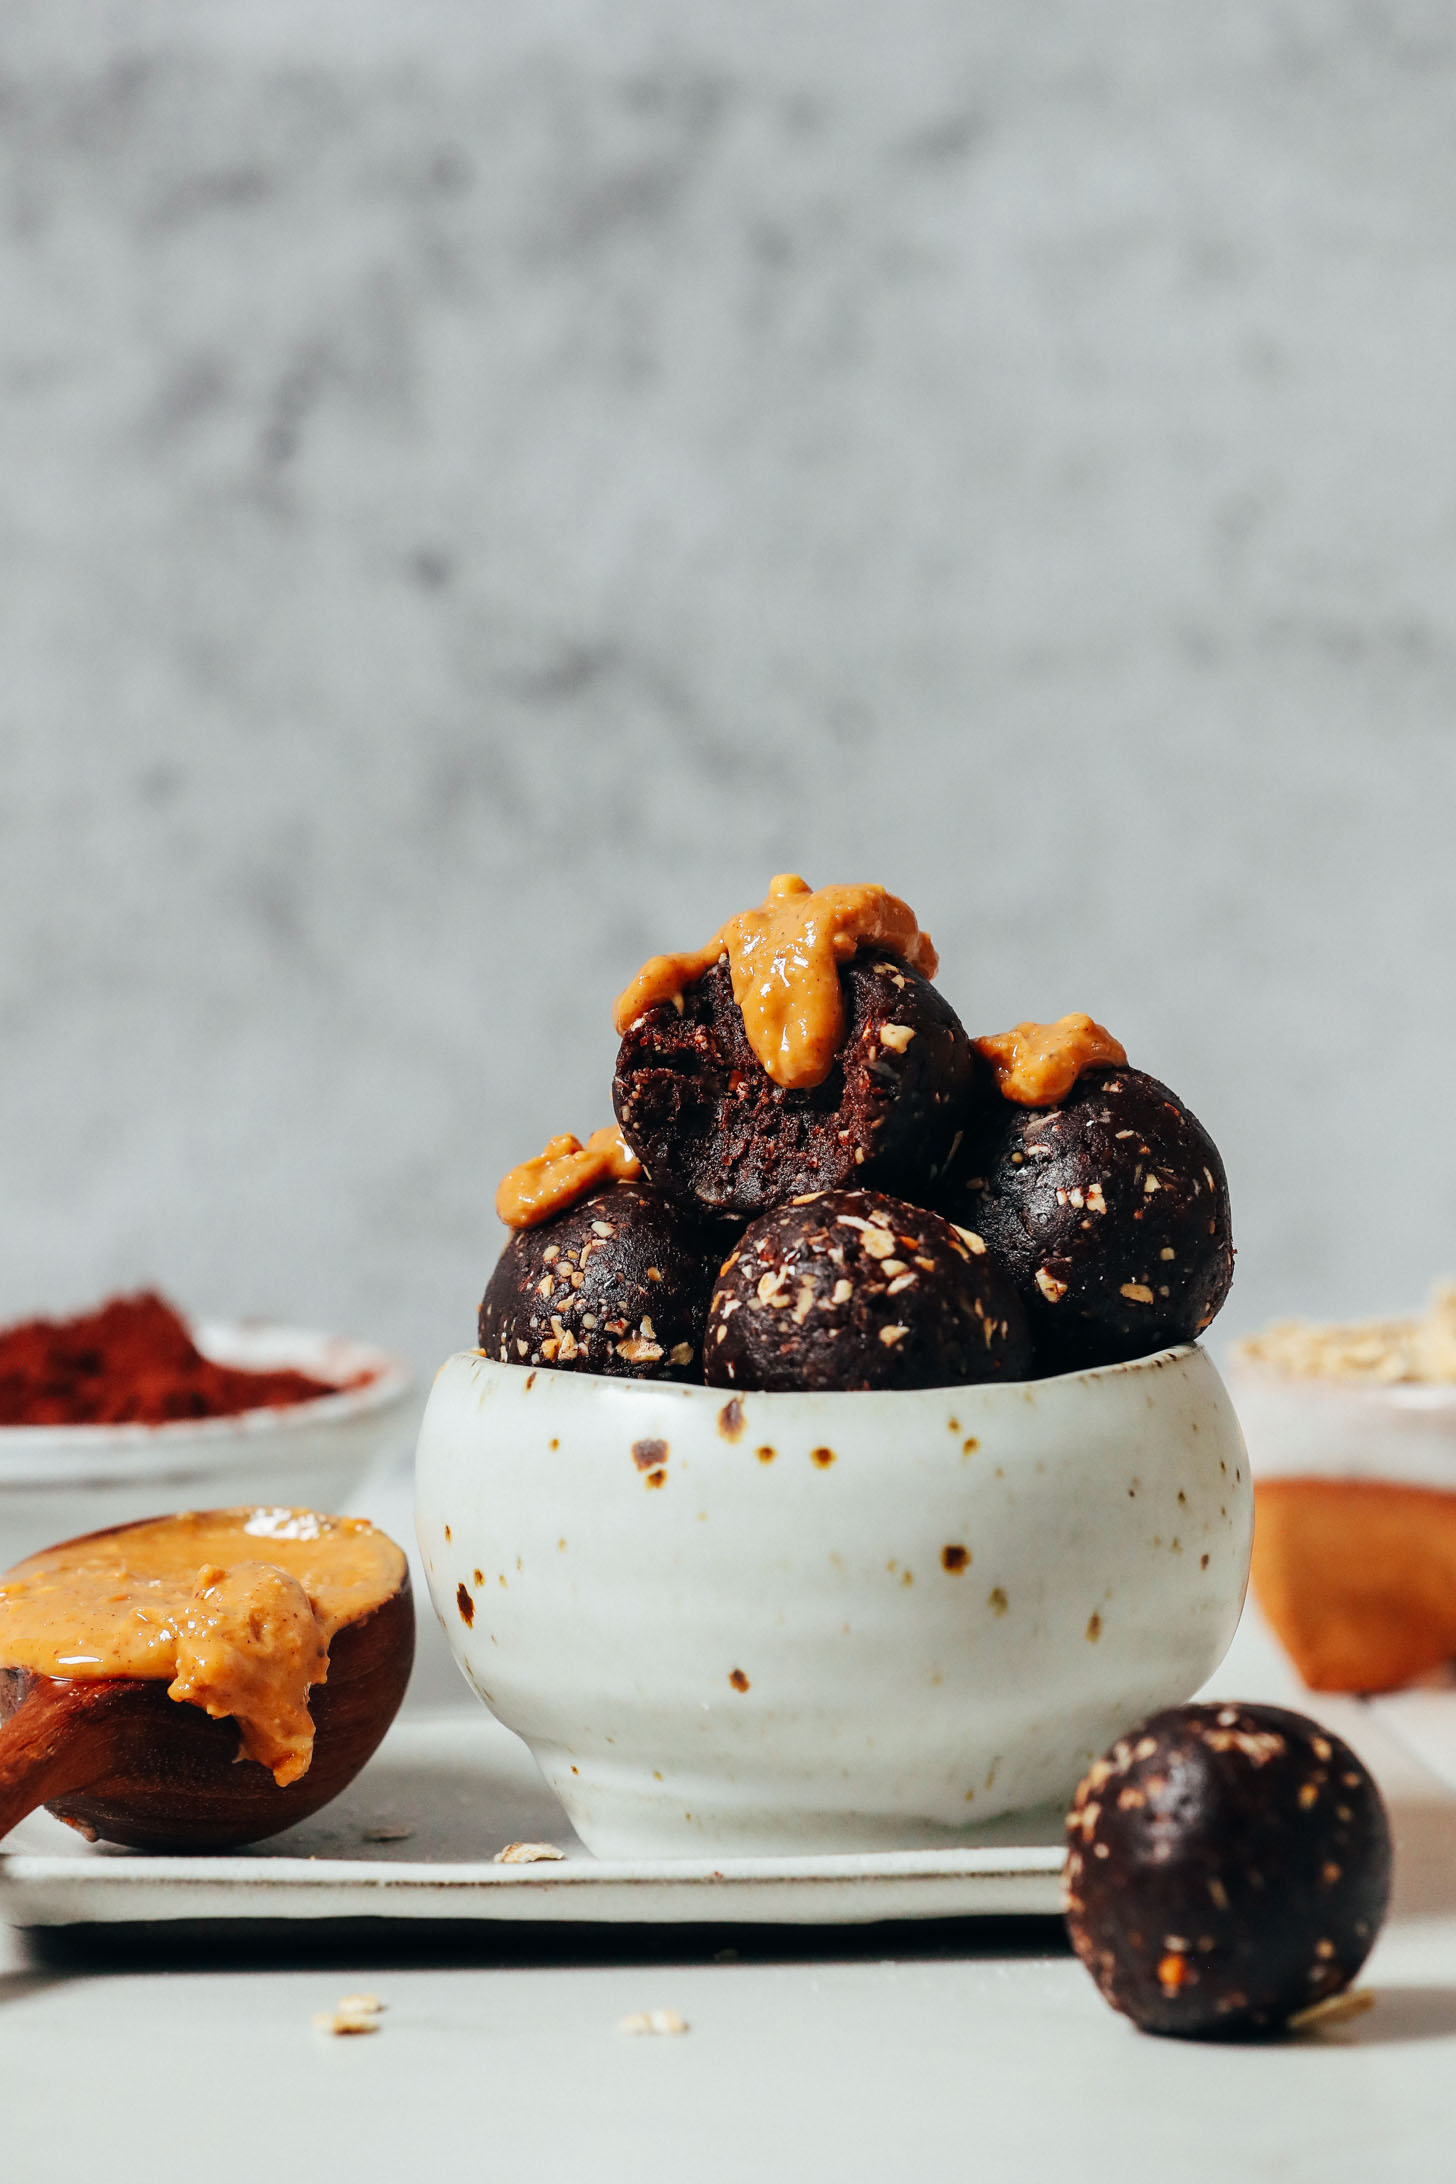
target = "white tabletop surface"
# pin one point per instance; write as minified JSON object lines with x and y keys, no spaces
{"x":976,"y":2050}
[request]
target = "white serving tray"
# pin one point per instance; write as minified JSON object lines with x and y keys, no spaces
{"x":464,"y":1787}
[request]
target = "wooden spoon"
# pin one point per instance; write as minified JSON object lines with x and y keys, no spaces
{"x":118,"y":1759}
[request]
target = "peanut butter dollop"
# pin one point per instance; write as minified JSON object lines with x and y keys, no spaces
{"x":1037,"y":1064}
{"x":249,"y":1645}
{"x":232,"y":1608}
{"x":784,"y":961}
{"x":566,"y":1171}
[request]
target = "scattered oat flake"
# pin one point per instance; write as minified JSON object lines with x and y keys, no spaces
{"x":527,"y":1854}
{"x":355,"y":2013}
{"x":664,"y":2021}
{"x":1336,"y":2009}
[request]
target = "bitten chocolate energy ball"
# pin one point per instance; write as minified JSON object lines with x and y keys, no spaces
{"x":849,"y":1289}
{"x":711,"y":1127}
{"x":618,"y":1283}
{"x":1228,"y":1868}
{"x":1111,"y":1211}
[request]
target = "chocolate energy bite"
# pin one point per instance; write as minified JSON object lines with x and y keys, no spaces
{"x":850,"y":1289}
{"x":1111,"y":1210}
{"x":712,"y":1127}
{"x":1228,"y":1869}
{"x":617,"y":1283}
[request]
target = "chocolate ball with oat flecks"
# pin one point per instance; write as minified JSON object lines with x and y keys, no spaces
{"x":850,"y":1289}
{"x":711,"y":1127}
{"x":617,"y":1283}
{"x":1228,"y":1869}
{"x":1112,"y":1212}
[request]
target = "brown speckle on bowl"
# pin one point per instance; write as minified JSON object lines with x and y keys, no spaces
{"x":465,"y":1604}
{"x":730,"y":1420}
{"x":997,"y":1601}
{"x":448,"y":1533}
{"x":969,"y":1446}
{"x":647,"y":1455}
{"x":767,"y":1454}
{"x":823,"y":1457}
{"x":1094,"y":1628}
{"x":657,"y":1478}
{"x":477,"y":1576}
{"x":738,"y":1680}
{"x":955,"y":1559}
{"x":530,"y":1380}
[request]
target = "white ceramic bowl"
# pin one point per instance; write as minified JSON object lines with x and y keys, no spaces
{"x":59,"y":1481}
{"x":1399,"y":1433}
{"x":828,"y":1622}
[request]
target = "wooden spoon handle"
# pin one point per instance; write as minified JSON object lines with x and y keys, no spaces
{"x":61,"y":1738}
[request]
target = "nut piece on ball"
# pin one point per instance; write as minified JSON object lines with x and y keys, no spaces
{"x":1112,"y":1213}
{"x":618,"y":1283}
{"x":1228,"y":1867}
{"x":850,"y":1289}
{"x":712,"y":1128}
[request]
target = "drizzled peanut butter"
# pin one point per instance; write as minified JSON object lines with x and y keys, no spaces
{"x":233,"y":1608}
{"x":784,"y":961}
{"x":250,"y":1646}
{"x":566,"y":1171}
{"x":1037,"y":1064}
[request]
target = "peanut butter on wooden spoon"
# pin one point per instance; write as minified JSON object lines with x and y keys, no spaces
{"x":192,"y":1642}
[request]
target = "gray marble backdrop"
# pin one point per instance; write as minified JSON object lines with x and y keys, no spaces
{"x":482,"y":486}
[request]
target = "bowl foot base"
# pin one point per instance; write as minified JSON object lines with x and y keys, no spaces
{"x":617,"y":1817}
